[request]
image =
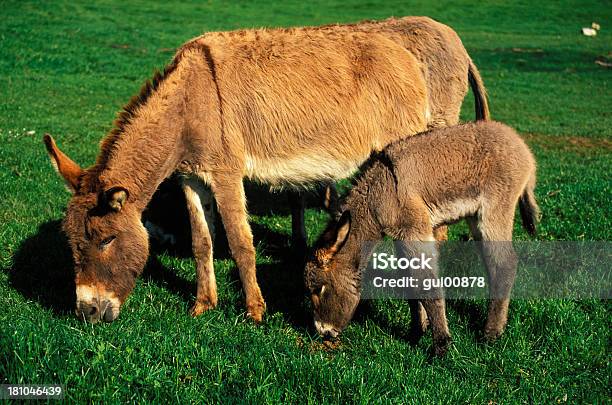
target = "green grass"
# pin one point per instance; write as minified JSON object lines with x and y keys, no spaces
{"x":66,"y":68}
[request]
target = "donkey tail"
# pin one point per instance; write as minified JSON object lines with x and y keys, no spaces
{"x":530,"y":212}
{"x":481,"y":105}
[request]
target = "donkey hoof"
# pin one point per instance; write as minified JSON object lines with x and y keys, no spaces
{"x":492,"y":335}
{"x":441,"y":346}
{"x":256,"y":311}
{"x":200,"y":307}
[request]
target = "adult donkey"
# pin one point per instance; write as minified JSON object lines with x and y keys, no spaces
{"x":282,"y":106}
{"x":446,"y":67}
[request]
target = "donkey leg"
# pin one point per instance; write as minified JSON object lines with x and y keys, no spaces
{"x":231,"y":202}
{"x":417,"y":237}
{"x":501,"y":261}
{"x":298,"y":227}
{"x":433,"y":300}
{"x":206,"y":296}
{"x":418,"y":320}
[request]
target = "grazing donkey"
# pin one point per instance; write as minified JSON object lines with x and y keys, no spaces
{"x":282,"y":106}
{"x":478,"y":171}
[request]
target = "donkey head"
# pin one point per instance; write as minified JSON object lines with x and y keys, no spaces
{"x":332,"y":278}
{"x":109,"y":243}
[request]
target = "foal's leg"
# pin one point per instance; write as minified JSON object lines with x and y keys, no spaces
{"x":197,"y":197}
{"x":418,"y":320}
{"x":298,"y":227}
{"x":229,"y":193}
{"x":433,"y":300}
{"x":495,"y":228}
{"x":418,"y":237}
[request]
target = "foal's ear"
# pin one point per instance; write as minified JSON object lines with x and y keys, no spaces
{"x":342,"y":231}
{"x":69,"y":170}
{"x":116,"y":197}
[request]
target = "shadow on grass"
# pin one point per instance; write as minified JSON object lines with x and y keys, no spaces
{"x":400,"y":326}
{"x":281,"y":282}
{"x":472,"y":312}
{"x":43,"y":270}
{"x":282,"y":288}
{"x":156,"y":272}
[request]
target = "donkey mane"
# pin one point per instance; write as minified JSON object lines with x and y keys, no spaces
{"x":359,"y":182}
{"x":125,"y":116}
{"x":90,"y":182}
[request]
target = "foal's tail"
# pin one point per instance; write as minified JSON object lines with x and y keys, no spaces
{"x":530,"y":212}
{"x":481,"y":105}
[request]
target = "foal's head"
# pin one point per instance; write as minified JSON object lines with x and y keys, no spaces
{"x":332,"y":278}
{"x":109,"y":243}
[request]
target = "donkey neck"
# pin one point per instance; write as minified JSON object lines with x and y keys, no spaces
{"x":148,"y":147}
{"x":363,"y":234}
{"x":365,"y":230}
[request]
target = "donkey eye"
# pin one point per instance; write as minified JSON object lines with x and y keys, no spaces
{"x":107,"y":242}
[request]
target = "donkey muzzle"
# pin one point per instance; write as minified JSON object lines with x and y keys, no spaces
{"x":97,"y":310}
{"x":326,"y":330}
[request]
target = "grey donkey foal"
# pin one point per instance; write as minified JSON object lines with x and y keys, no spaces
{"x":477,"y":171}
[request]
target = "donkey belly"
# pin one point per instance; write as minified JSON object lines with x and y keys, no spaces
{"x":301,"y":170}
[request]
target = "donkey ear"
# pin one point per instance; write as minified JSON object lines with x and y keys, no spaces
{"x":69,"y":170}
{"x":342,"y":231}
{"x":116,"y":197}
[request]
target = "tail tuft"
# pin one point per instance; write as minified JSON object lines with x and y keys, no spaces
{"x":530,"y":212}
{"x":481,"y":104}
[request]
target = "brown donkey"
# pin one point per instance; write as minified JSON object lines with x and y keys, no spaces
{"x":283,"y":107}
{"x":404,"y":192}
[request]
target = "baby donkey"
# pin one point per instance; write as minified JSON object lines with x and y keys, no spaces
{"x":477,"y":171}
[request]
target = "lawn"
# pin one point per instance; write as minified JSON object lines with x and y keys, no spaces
{"x":67,"y":68}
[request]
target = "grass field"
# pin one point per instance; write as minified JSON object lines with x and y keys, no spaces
{"x":66,"y":68}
